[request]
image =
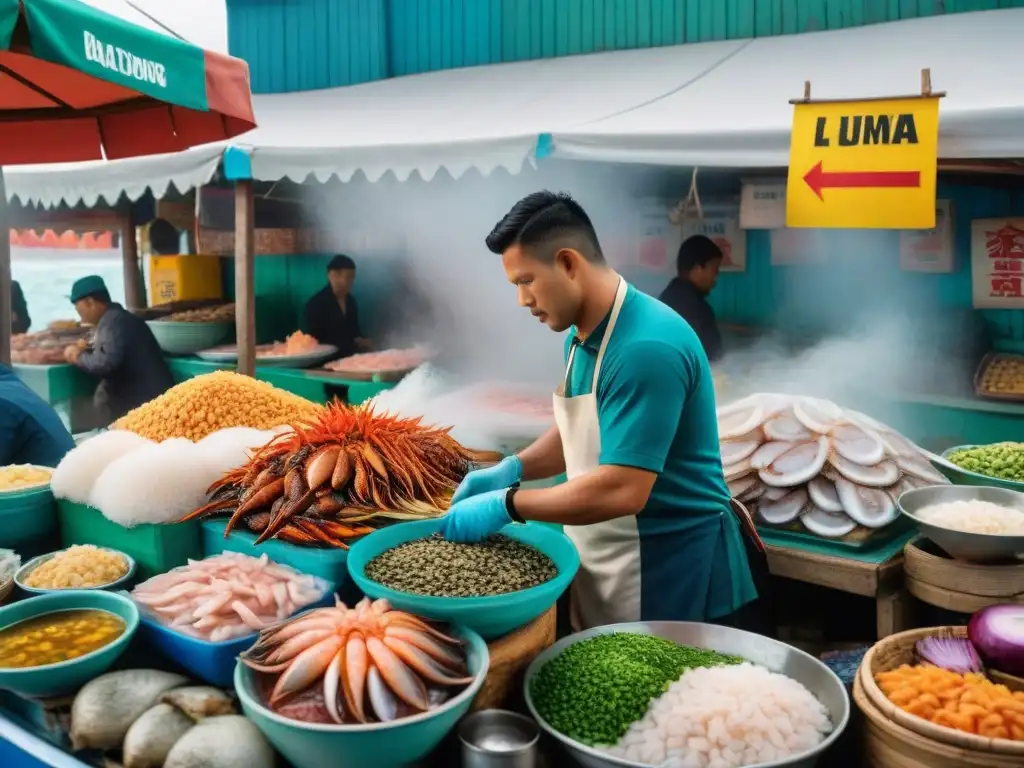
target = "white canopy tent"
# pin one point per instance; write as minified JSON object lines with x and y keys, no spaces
{"x":738,"y":114}
{"x":477,"y":117}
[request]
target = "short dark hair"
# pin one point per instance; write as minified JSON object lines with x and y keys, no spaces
{"x":102,"y":296}
{"x":164,"y":238}
{"x":340,"y":262}
{"x":545,"y":222}
{"x":696,"y":251}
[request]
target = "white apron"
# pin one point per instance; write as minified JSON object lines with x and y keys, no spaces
{"x":607,"y":587}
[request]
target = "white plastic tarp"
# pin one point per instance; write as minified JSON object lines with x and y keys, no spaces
{"x":105,"y":180}
{"x":477,"y":117}
{"x":738,"y":114}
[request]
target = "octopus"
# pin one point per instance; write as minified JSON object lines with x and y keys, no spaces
{"x":369,"y":663}
{"x":330,"y":482}
{"x":802,"y":458}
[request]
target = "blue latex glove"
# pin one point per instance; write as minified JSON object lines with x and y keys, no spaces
{"x":506,"y":472}
{"x":476,"y":518}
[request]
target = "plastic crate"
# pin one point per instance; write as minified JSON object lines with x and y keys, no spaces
{"x":28,"y":519}
{"x":181,"y":278}
{"x":155,"y":548}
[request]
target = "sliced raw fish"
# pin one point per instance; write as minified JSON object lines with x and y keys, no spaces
{"x":739,"y":487}
{"x":785,"y":510}
{"x":741,"y":421}
{"x":823,"y":495}
{"x":768,"y":453}
{"x":797,"y":465}
{"x":753,"y":493}
{"x":855,"y":444}
{"x":916,"y":465}
{"x":818,"y":416}
{"x":774,"y":494}
{"x":828,"y":525}
{"x":151,"y":737}
{"x":786,"y":427}
{"x":737,"y":470}
{"x":740,"y":448}
{"x":878,"y":476}
{"x":870,"y":507}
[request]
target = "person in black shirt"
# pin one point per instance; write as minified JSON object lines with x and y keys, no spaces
{"x":331,"y":316}
{"x":697,"y":267}
{"x":124,"y":355}
{"x":20,"y":321}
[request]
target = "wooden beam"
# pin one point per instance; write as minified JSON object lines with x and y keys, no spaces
{"x":245,"y":286}
{"x":5,"y":277}
{"x":134,"y":297}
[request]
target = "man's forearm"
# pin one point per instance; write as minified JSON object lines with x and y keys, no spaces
{"x":543,"y":458}
{"x":595,"y":497}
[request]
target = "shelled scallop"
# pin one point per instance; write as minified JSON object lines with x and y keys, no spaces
{"x":802,"y":458}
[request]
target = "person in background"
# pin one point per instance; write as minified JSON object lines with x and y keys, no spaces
{"x":20,"y":321}
{"x":331,"y":316}
{"x":124,"y":354}
{"x":164,"y":238}
{"x":697,"y":267}
{"x":31,"y":432}
{"x":636,"y":433}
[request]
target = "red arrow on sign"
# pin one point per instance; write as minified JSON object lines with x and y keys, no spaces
{"x":818,"y":179}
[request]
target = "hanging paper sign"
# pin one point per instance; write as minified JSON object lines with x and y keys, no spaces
{"x":763,"y":205}
{"x":724,"y":229}
{"x":997,"y":263}
{"x":930,"y":250}
{"x":797,"y":246}
{"x":654,"y":232}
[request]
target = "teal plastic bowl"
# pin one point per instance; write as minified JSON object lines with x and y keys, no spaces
{"x":67,"y":676}
{"x":493,"y":616}
{"x":966,"y":477}
{"x":31,"y":565}
{"x":380,"y":745}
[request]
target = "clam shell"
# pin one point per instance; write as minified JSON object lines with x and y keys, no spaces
{"x":819,"y":416}
{"x":918,"y":467}
{"x":773,"y":494}
{"x":822,"y":492}
{"x":736,"y":450}
{"x":753,"y":493}
{"x":796,"y":466}
{"x":784,"y":510}
{"x":877,"y":476}
{"x":828,"y":525}
{"x":740,"y":422}
{"x":769,"y":452}
{"x":786,"y":427}
{"x":870,"y":507}
{"x":857,"y":445}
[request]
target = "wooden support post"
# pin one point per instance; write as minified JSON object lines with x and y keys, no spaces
{"x":133,"y":294}
{"x":5,"y":277}
{"x":245,"y":286}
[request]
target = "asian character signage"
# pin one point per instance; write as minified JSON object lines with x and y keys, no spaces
{"x":997,"y":263}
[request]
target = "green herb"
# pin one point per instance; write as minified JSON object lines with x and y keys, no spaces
{"x":594,"y":690}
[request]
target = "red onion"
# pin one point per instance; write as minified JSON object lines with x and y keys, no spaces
{"x":953,"y":653}
{"x":998,"y":634}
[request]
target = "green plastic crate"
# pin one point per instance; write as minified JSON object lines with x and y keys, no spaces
{"x":156,"y":548}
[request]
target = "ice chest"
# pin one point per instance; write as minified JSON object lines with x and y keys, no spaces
{"x":156,"y":548}
{"x":184,"y":278}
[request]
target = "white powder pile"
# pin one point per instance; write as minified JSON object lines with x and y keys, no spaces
{"x":726,"y":717}
{"x":975,"y":516}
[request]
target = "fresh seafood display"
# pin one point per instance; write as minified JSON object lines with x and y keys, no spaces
{"x":223,"y":313}
{"x":46,"y":347}
{"x":333,"y":481}
{"x":82,"y":566}
{"x":385,"y":361}
{"x":372,"y":663}
{"x":440,"y":568}
{"x":298,"y":343}
{"x":227,"y":596}
{"x":809,"y":460}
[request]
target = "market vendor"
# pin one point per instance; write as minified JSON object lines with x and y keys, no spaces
{"x":697,"y":265}
{"x":31,"y":432}
{"x":124,"y":354}
{"x":635,"y":432}
{"x":20,"y":320}
{"x":331,"y":316}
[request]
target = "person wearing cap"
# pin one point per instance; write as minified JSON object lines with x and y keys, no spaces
{"x":20,"y":321}
{"x":31,"y":432}
{"x":331,"y":316}
{"x":124,"y":354}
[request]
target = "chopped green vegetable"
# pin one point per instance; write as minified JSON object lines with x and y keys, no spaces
{"x":594,"y":690}
{"x":1002,"y":460}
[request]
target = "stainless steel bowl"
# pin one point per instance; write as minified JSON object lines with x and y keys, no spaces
{"x":497,"y":738}
{"x":771,"y":654}
{"x":974,"y":547}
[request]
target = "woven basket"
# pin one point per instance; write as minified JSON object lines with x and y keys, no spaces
{"x":899,"y":649}
{"x":510,"y":656}
{"x":888,"y":745}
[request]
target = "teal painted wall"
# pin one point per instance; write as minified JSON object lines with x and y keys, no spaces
{"x":307,"y":44}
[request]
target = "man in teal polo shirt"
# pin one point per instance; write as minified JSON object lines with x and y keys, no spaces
{"x":636,"y":433}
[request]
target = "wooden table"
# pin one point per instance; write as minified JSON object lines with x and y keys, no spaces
{"x":882,"y":582}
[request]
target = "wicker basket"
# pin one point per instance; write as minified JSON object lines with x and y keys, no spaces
{"x":510,"y":656}
{"x":899,"y":649}
{"x":955,"y":585}
{"x":888,"y":745}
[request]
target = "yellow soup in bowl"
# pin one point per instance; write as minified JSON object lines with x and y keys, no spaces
{"x":56,"y":637}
